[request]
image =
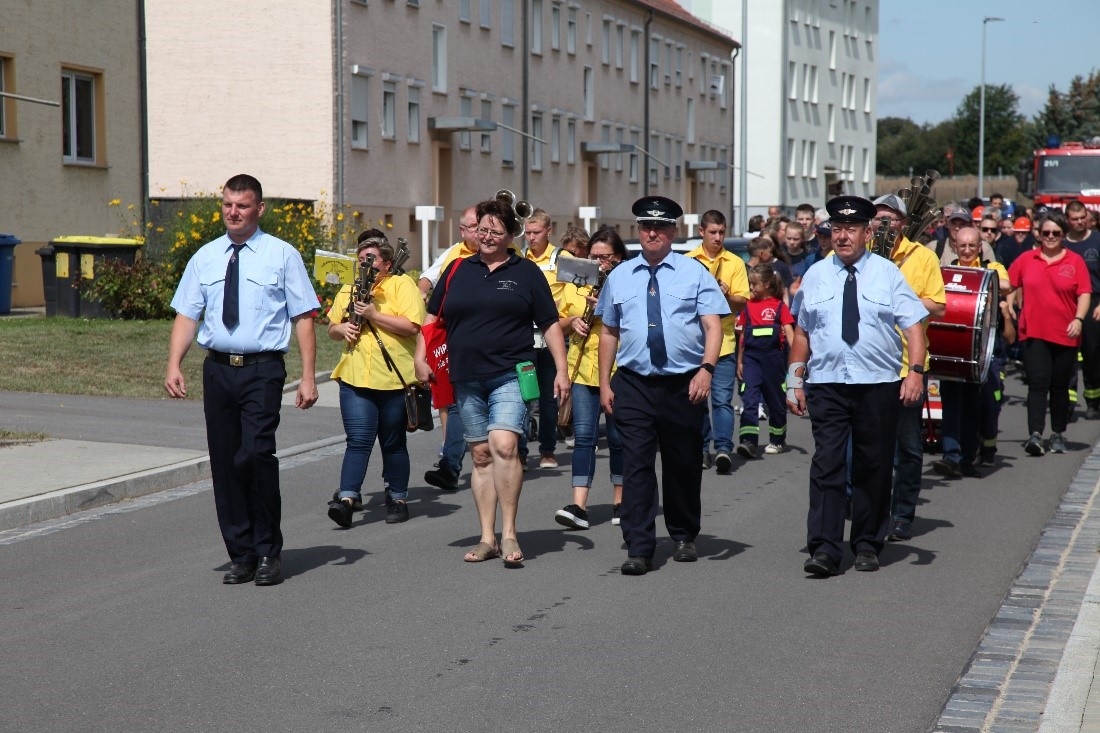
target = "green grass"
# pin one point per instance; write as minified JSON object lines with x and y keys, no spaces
{"x":110,"y":358}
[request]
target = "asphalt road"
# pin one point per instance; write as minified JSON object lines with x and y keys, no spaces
{"x":117,"y":620}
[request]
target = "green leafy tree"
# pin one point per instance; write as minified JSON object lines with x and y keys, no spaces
{"x":1072,"y":115}
{"x":906,"y":148}
{"x":1007,"y":133}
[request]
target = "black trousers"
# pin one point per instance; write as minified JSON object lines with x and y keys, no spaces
{"x":1090,"y":353}
{"x":1049,"y":370}
{"x":654,"y":414}
{"x":242,"y":414}
{"x":869,"y":414}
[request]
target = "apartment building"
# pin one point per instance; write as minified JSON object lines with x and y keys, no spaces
{"x":811,"y":123}
{"x":406,"y":111}
{"x":70,"y":126}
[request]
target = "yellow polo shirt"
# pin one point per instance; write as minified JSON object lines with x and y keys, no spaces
{"x":728,"y":269}
{"x":921,"y":269}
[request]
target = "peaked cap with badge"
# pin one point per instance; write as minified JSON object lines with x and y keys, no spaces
{"x":657,"y":209}
{"x":850,"y":210}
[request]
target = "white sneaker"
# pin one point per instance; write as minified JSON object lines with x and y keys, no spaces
{"x":570,"y":442}
{"x":548,"y":461}
{"x":773,"y":449}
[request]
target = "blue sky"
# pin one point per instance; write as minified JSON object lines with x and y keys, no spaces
{"x":930,"y":52}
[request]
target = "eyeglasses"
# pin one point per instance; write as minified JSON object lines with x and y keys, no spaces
{"x":482,"y":231}
{"x":989,"y":229}
{"x":1050,"y":234}
{"x":603,"y":258}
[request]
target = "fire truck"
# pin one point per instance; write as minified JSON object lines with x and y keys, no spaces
{"x":1056,"y":175}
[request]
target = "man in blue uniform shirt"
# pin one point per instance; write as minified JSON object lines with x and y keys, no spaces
{"x":249,"y":289}
{"x":661,"y":315}
{"x":846,"y":350}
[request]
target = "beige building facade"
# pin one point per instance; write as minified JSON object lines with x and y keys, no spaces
{"x":70,"y":126}
{"x":406,"y":112}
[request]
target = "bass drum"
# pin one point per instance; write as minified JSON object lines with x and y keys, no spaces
{"x":960,"y":344}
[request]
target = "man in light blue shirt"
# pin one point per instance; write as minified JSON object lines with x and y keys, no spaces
{"x":846,"y":351}
{"x":661,"y":315}
{"x":249,"y":289}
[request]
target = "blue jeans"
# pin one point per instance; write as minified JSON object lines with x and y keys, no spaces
{"x":367,"y":414}
{"x":454,"y":445}
{"x":586,"y":431}
{"x":722,"y":386}
{"x":961,"y":402}
{"x":491,"y":404}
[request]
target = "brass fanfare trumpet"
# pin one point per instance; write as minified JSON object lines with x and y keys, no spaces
{"x":921,"y":210}
{"x":522,"y":209}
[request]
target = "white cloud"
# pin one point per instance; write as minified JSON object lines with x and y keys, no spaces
{"x":901,"y":93}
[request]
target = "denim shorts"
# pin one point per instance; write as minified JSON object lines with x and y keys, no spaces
{"x":490,"y":404}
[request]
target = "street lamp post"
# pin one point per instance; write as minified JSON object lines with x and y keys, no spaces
{"x":981,"y":112}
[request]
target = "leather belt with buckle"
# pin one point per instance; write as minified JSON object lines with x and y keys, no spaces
{"x":240,"y":360}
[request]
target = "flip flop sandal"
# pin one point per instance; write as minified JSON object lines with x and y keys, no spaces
{"x":509,"y":547}
{"x":481,"y":552}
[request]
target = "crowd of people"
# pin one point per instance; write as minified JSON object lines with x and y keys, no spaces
{"x":816,"y":322}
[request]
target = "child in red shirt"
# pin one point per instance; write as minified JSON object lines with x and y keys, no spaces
{"x":765,"y":329}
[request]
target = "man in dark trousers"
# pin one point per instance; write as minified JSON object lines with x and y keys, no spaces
{"x":661,"y":315}
{"x":250,"y":290}
{"x":847,"y":350}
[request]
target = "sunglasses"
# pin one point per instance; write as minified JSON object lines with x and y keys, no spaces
{"x":1050,"y":233}
{"x":990,"y":229}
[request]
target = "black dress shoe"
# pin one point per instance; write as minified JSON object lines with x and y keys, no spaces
{"x":270,"y":571}
{"x":866,"y":561}
{"x":340,"y":512}
{"x":685,"y":552}
{"x":356,"y":504}
{"x":946,"y":468}
{"x":901,"y":531}
{"x":442,"y":478}
{"x":239,"y":572}
{"x":637,"y":566}
{"x":821,"y":564}
{"x":969,"y":470}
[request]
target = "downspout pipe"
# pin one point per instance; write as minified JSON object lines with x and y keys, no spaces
{"x":733,"y":133}
{"x":645,"y":109}
{"x":143,"y":112}
{"x":338,"y":69}
{"x":526,"y":107}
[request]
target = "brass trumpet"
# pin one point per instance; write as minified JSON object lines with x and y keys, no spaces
{"x":523,"y":209}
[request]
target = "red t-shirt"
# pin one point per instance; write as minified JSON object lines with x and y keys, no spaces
{"x":1050,"y":294}
{"x":763,"y":313}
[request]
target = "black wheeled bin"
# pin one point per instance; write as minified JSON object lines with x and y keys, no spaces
{"x":66,"y":261}
{"x":7,"y":269}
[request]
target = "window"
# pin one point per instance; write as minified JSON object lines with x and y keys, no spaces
{"x":439,"y":58}
{"x":536,"y":146}
{"x":7,"y":106}
{"x":414,"y":115}
{"x":589,"y":94}
{"x":633,"y":160}
{"x":691,"y":119}
{"x":78,"y":115}
{"x":832,"y":50}
{"x":620,"y":136}
{"x":486,"y":114}
{"x":571,"y":142}
{"x":555,"y":139}
{"x":536,"y":27}
{"x":588,"y":29}
{"x":620,"y":41}
{"x":792,"y":163}
{"x":654,"y":62}
{"x":805,"y":158}
{"x":668,"y":62}
{"x":464,"y":11}
{"x":508,"y":23}
{"x":389,"y":110}
{"x":555,"y":28}
{"x":605,"y":43}
{"x":485,"y":13}
{"x":866,"y":95}
{"x":508,"y":138}
{"x":813,"y":159}
{"x":634,"y":41}
{"x":466,"y":109}
{"x":360,"y":93}
{"x":792,"y":80}
{"x":605,"y":137}
{"x":679,"y":78}
{"x":866,"y":165}
{"x":668,"y":156}
{"x":571,"y":31}
{"x":832,"y":124}
{"x":813,"y":84}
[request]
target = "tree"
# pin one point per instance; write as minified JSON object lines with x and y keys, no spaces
{"x":905,"y":148}
{"x":1073,"y":115}
{"x":1007,"y":133}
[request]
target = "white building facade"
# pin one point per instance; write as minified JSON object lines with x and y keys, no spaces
{"x":811,"y":124}
{"x":397,"y":108}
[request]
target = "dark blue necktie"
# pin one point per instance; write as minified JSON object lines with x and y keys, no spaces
{"x":231,"y":298}
{"x":655,"y":338}
{"x":849,"y":322}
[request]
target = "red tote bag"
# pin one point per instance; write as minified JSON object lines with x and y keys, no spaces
{"x":436,"y":354}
